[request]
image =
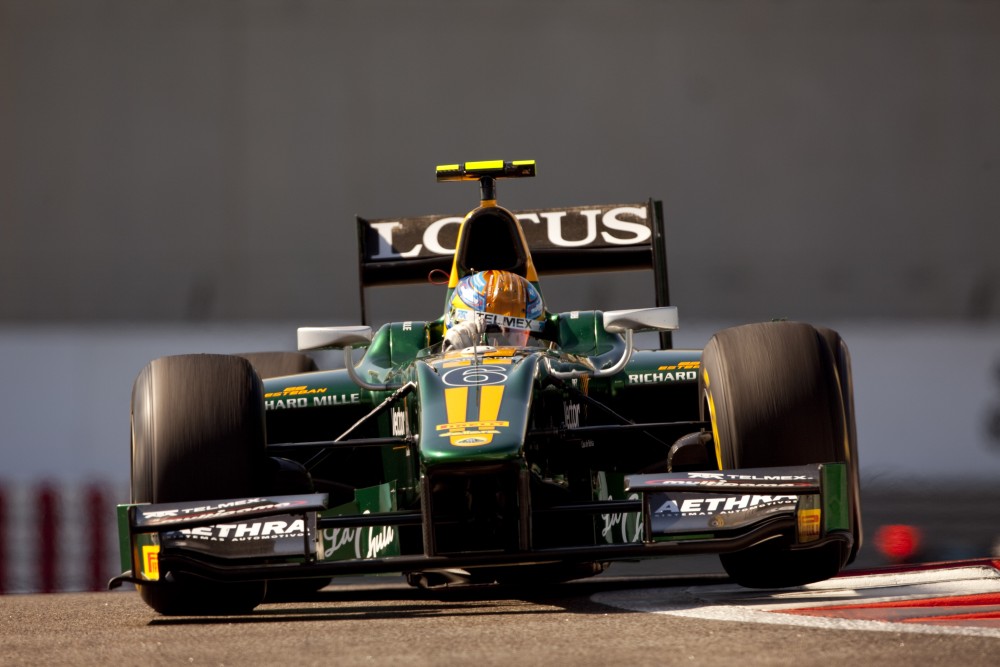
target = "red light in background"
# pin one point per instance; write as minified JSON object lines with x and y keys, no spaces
{"x":898,"y":542}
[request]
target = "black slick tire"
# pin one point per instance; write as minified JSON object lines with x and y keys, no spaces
{"x":773,"y":397}
{"x":845,"y":377}
{"x":197,"y":434}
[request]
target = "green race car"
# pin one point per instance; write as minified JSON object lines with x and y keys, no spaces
{"x":499,"y":442}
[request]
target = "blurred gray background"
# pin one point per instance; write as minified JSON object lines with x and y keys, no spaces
{"x":204,"y":161}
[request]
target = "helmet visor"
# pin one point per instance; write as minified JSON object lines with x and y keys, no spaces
{"x":501,"y":336}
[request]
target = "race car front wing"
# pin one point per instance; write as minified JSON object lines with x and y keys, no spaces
{"x":291,"y":537}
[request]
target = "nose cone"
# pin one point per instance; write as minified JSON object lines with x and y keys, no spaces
{"x":475,"y":408}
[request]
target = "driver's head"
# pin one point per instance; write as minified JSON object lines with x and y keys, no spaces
{"x":509,"y":305}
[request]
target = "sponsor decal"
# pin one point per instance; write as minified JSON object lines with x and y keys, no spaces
{"x":750,"y":477}
{"x":360,"y":542}
{"x":217,"y":507}
{"x":720,"y":504}
{"x":229,"y":508}
{"x":485,"y":427}
{"x":398,"y":416}
{"x":389,"y":241}
{"x":247,"y":532}
{"x":571,"y":415}
{"x":475,"y":440}
{"x":809,"y":525}
{"x":151,"y":561}
{"x":577,"y":227}
{"x":678,"y":513}
{"x":709,"y":483}
{"x":748,"y":480}
{"x":303,"y":390}
{"x":662,"y":376}
{"x":493,"y":319}
{"x":624,"y":527}
{"x":682,"y":366}
{"x":618,"y":226}
{"x":620,"y":527}
{"x":281,"y":535}
{"x":310,"y":401}
{"x":501,"y":355}
{"x":350,"y":543}
{"x":380,"y":541}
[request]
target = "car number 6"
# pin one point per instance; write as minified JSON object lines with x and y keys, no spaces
{"x":475,"y":376}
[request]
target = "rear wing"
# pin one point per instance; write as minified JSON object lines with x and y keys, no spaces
{"x":580,"y":239}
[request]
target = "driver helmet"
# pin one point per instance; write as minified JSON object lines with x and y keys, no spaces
{"x":509,"y":306}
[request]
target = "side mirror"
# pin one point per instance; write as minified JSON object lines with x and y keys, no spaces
{"x":641,"y":319}
{"x":326,"y":338}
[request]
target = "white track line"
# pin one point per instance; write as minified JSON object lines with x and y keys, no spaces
{"x":729,"y":602}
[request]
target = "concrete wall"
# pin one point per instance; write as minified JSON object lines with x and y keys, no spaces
{"x":192,"y":161}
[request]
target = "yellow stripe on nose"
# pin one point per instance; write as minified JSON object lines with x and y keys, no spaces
{"x":456,"y":400}
{"x":490,"y":398}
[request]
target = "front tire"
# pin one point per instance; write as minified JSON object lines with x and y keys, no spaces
{"x":197,"y":434}
{"x":774,"y":399}
{"x":845,"y":376}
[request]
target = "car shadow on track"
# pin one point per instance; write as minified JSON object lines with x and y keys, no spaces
{"x":383,"y":598}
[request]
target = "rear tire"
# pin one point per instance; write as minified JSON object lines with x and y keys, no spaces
{"x":197,"y":434}
{"x":774,"y":399}
{"x":277,"y":364}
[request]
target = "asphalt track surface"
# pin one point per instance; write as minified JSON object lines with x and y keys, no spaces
{"x":609,"y":620}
